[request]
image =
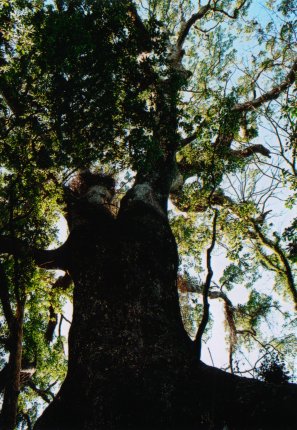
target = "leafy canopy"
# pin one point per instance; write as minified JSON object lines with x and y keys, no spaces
{"x":102,"y":84}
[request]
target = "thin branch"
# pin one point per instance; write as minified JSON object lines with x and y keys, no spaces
{"x":205,"y":316}
{"x":208,"y":30}
{"x":233,"y":15}
{"x":229,"y":315}
{"x":60,"y":332}
{"x":257,"y":234}
{"x":42,"y":393}
{"x":272,"y":245}
{"x":212,"y":362}
{"x":66,"y":319}
{"x":281,"y":257}
{"x":62,"y":283}
{"x":192,"y":137}
{"x":51,"y":325}
{"x":188,"y":24}
{"x":269,"y":95}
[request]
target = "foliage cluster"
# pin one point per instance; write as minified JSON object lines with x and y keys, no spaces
{"x":111,"y":85}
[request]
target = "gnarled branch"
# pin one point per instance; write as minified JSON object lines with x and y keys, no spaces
{"x":188,"y":24}
{"x":46,"y":259}
{"x":250,"y":150}
{"x":199,"y":15}
{"x":269,"y":95}
{"x":206,"y":287}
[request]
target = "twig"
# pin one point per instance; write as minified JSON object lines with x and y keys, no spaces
{"x":212,"y":362}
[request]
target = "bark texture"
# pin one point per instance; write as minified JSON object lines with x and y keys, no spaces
{"x":12,"y":385}
{"x":131,"y":363}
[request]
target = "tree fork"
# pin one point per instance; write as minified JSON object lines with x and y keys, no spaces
{"x":131,"y":363}
{"x":127,"y":329}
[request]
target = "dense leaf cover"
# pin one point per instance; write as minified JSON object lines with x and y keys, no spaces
{"x":95,"y":85}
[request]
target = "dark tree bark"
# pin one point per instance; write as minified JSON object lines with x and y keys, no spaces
{"x":131,"y":363}
{"x":12,"y":386}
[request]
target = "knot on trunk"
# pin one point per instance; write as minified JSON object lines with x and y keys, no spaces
{"x":88,"y":195}
{"x":97,"y":188}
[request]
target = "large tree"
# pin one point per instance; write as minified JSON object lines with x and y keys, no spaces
{"x":108,"y":110}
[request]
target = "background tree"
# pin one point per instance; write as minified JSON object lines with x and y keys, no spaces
{"x":108,"y":109}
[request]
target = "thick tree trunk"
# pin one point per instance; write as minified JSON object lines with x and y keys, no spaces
{"x":131,"y":363}
{"x":12,"y":385}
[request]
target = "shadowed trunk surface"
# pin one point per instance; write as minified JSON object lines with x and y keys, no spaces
{"x":131,"y":363}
